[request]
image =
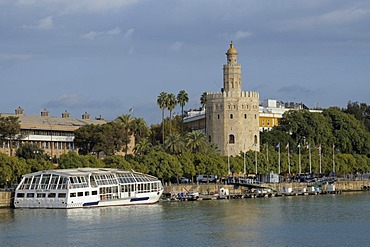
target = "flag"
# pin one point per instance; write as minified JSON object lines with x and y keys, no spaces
{"x":131,"y":109}
{"x":319,"y":148}
{"x":277,"y":145}
{"x":299,"y":146}
{"x":287,"y":146}
{"x":308,"y":146}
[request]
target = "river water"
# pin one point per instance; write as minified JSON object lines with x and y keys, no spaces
{"x":323,"y":220}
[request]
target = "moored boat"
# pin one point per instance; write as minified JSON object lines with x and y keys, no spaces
{"x":86,"y":187}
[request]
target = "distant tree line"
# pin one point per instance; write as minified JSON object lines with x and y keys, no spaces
{"x":169,"y":151}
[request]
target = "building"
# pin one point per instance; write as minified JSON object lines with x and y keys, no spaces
{"x":55,"y":135}
{"x":232,"y":119}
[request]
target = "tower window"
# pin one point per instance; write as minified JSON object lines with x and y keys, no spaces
{"x":231,"y":139}
{"x":218,"y":116}
{"x":231,"y":116}
{"x":245,"y":116}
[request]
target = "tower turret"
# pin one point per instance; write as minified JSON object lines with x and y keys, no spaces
{"x":232,"y":71}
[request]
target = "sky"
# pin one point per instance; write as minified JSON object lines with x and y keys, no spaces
{"x":106,"y":57}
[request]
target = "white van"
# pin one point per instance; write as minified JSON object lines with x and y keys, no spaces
{"x":206,"y":178}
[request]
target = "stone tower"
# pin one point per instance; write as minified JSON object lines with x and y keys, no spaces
{"x":232,"y":115}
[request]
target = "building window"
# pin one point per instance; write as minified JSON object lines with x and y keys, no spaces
{"x":263,"y":122}
{"x":231,"y":116}
{"x":231,"y":139}
{"x":209,"y":138}
{"x":229,"y":107}
{"x":245,"y":116}
{"x":255,"y":116}
{"x":218,"y":116}
{"x":234,"y":106}
{"x":268,"y":122}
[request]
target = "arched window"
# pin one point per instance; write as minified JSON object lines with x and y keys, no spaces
{"x":218,"y":116}
{"x":231,"y":139}
{"x":245,"y":116}
{"x":231,"y":116}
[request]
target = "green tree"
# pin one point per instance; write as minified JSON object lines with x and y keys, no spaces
{"x":171,"y":104}
{"x":143,"y":147}
{"x":174,"y":144}
{"x":10,"y":130}
{"x":30,"y":151}
{"x":140,"y":129}
{"x":86,"y":138}
{"x":196,"y":141}
{"x":182,"y":99}
{"x":128,"y":124}
{"x":162,"y":103}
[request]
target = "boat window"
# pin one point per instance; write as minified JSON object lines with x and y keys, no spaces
{"x":51,"y":195}
{"x":26,"y":184}
{"x":80,"y":194}
{"x":41,"y":195}
{"x":62,"y":195}
{"x":45,"y":181}
{"x":30,"y":195}
{"x":72,"y":194}
{"x":20,"y":195}
{"x":87,"y":193}
{"x":54,"y":182}
{"x":94,"y":192}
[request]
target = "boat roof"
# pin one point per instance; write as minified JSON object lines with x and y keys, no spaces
{"x":85,"y":171}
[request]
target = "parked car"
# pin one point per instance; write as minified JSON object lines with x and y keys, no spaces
{"x":184,"y":180}
{"x":206,"y":178}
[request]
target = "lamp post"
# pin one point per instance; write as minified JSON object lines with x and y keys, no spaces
{"x":51,"y":138}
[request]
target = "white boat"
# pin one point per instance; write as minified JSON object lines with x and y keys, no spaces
{"x":86,"y":187}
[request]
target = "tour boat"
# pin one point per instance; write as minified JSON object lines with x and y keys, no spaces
{"x":86,"y":187}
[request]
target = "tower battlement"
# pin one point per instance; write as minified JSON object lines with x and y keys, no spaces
{"x":243,"y":94}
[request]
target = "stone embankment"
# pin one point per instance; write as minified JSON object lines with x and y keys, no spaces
{"x":344,"y":186}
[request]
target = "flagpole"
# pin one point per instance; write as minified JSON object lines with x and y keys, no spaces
{"x":279,"y":160}
{"x":255,"y":154}
{"x":245,"y":168}
{"x":309,"y":155}
{"x":320,"y":157}
{"x":267,"y":150}
{"x":228,"y":160}
{"x":333,"y":160}
{"x":299,"y":154}
{"x":288,"y":159}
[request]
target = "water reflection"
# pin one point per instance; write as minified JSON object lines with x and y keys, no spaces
{"x":285,"y":221}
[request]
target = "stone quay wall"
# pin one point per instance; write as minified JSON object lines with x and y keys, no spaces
{"x":6,"y":198}
{"x":344,"y":186}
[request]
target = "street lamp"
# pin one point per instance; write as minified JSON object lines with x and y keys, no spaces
{"x":51,"y":138}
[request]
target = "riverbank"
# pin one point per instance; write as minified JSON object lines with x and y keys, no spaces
{"x":6,"y":197}
{"x":344,"y":186}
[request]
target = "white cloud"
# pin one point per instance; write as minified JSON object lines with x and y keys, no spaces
{"x":114,"y":31}
{"x":176,"y":46}
{"x":92,"y":34}
{"x":129,"y":33}
{"x":241,"y":35}
{"x":345,"y":16}
{"x":42,"y":24}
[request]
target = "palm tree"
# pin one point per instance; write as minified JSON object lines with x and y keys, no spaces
{"x":162,"y":102}
{"x":182,"y":99}
{"x":203,"y":102}
{"x":174,"y":144}
{"x":171,"y":104}
{"x":127,"y":122}
{"x":196,"y":141}
{"x":143,"y":147}
{"x":140,"y":129}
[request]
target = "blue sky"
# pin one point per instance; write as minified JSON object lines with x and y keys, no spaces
{"x":104,"y":57}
